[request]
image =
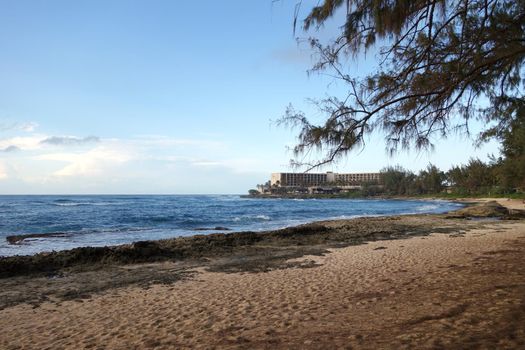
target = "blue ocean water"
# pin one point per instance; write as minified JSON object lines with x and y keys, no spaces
{"x":112,"y":220}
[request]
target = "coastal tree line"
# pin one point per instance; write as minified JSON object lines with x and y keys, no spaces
{"x":472,"y":179}
{"x":502,"y":175}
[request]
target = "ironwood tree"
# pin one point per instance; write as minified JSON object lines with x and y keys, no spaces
{"x":440,"y":64}
{"x":510,"y":168}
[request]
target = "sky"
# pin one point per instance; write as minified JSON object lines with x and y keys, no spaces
{"x":164,"y":97}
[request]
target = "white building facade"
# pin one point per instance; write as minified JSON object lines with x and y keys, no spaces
{"x":322,"y":179}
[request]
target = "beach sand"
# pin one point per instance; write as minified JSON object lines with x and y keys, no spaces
{"x":460,"y":290}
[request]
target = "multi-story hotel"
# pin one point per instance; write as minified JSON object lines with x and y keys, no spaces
{"x":322,"y":179}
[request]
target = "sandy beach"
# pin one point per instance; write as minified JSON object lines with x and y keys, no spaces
{"x":461,"y":286}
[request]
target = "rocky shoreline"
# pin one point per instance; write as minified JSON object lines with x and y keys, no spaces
{"x":269,"y":246}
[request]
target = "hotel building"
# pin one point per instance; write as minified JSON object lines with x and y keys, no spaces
{"x":322,"y":179}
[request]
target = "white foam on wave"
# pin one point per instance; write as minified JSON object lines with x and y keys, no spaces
{"x":69,"y":204}
{"x":428,"y":207}
{"x":252,"y":217}
{"x":76,"y":204}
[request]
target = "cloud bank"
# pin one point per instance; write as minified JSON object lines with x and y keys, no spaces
{"x":69,"y":140}
{"x":10,"y":149}
{"x":40,"y":163}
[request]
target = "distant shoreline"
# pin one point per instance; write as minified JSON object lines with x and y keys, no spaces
{"x":466,"y":199}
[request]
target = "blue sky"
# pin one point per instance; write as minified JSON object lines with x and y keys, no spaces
{"x":162,"y":97}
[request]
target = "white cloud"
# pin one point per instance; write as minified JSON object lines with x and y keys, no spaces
{"x":91,"y":163}
{"x":165,"y":141}
{"x":23,"y":142}
{"x":18,"y":126}
{"x":28,"y":127}
{"x":10,"y":149}
{"x":36,"y":141}
{"x":236,"y":165}
{"x":73,"y":164}
{"x":3,"y":172}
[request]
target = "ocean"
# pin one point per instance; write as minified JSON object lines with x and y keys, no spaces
{"x":78,"y":221}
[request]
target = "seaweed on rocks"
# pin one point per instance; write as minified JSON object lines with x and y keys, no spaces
{"x":269,"y":248}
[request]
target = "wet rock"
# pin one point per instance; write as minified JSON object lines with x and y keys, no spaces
{"x":216,"y":228}
{"x":19,"y":239}
{"x":485,"y":210}
{"x":255,"y":251}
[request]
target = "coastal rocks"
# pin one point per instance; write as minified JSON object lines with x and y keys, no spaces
{"x":139,"y":252}
{"x":486,"y":210}
{"x":146,"y":248}
{"x":270,"y":248}
{"x":216,"y":228}
{"x":236,"y":251}
{"x":19,"y":239}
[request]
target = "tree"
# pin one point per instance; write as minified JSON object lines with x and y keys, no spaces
{"x":511,"y":168}
{"x":397,"y":181}
{"x":439,"y":62}
{"x":370,"y":189}
{"x":474,"y":178}
{"x":431,"y":180}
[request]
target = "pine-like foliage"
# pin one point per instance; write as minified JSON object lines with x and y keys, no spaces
{"x":441,"y":63}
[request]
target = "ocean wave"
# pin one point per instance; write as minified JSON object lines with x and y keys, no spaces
{"x":428,"y":208}
{"x":168,"y":218}
{"x":73,"y":233}
{"x":153,"y":219}
{"x":77,"y":204}
{"x":70,"y":204}
{"x":252,"y":218}
{"x":347,"y":217}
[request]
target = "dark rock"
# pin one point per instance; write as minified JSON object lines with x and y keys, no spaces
{"x":266,"y":246}
{"x":216,"y":228}
{"x":485,"y":210}
{"x":18,"y":239}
